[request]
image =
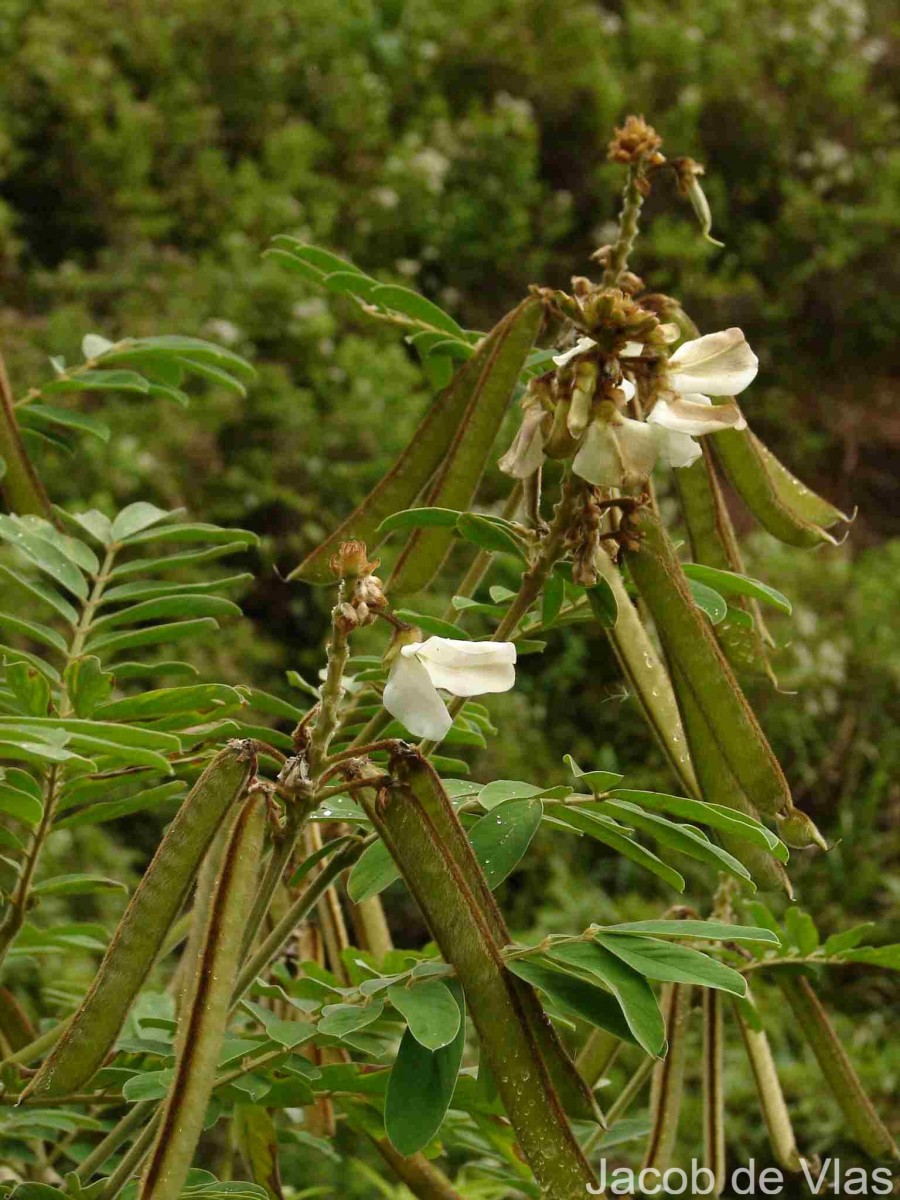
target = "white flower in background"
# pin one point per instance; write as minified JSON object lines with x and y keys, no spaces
{"x":460,"y":668}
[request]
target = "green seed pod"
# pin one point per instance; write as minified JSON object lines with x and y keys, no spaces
{"x":667,"y":1087}
{"x":463,"y":458}
{"x":768,"y":1088}
{"x":466,"y":937}
{"x":414,"y":468}
{"x":713,"y":1089}
{"x":205,"y":1018}
{"x":577,"y":1098}
{"x":796,"y":829}
{"x":779,"y":502}
{"x":699,"y":666}
{"x":647,"y":676}
{"x":863,"y":1123}
{"x":713,"y":543}
{"x":142,"y":929}
{"x":719,"y":786}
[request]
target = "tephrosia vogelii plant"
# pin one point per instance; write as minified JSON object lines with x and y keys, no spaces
{"x":234,"y":1026}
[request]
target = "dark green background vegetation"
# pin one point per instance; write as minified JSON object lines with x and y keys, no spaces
{"x":149,"y":151}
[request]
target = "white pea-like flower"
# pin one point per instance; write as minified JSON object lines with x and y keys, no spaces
{"x":460,"y":668}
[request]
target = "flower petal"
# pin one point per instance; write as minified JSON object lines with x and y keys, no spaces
{"x":696,"y":414}
{"x":620,"y":455}
{"x":526,"y":453}
{"x":676,"y":449}
{"x":412,"y":698}
{"x":719,"y":364}
{"x":469,"y":668}
{"x":581,"y":347}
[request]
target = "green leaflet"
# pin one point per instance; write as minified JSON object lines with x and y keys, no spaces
{"x":430,"y":445}
{"x":862,"y":1121}
{"x":431,"y":1012}
{"x":144,"y":925}
{"x":670,"y":962}
{"x":699,"y":667}
{"x":421,"y":1084}
{"x":493,"y":373}
{"x":575,"y":997}
{"x":714,"y":544}
{"x":203,"y":1026}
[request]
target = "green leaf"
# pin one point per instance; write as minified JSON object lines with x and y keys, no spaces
{"x":714,"y":815}
{"x":46,"y":556}
{"x":730,"y":583}
{"x":19,"y":804}
{"x":876,"y":956}
{"x":488,"y":535}
{"x":285,"y":1033}
{"x":603,"y":604}
{"x":617,"y":839}
{"x":151,"y":589}
{"x":433,"y":625}
{"x":178,"y":605}
{"x":29,"y":687}
{"x":47,"y":415}
{"x":848,"y":939}
{"x":99,"y":381}
{"x":801,"y":930}
{"x":41,"y":591}
{"x":574,"y":997}
{"x":112,"y":810}
{"x":671,"y":963}
{"x":372,"y":873}
{"x":630,"y":988}
{"x":495,"y":793}
{"x":63,"y":729}
{"x":32,"y":629}
{"x":87,"y":684}
{"x":501,"y":837}
{"x":411,"y":304}
{"x":168,"y":701}
{"x":597,"y":781}
{"x":719,"y":931}
{"x":552,"y":598}
{"x":77,"y":885}
{"x":340,"y":1019}
{"x":431,"y":1012}
{"x":136,"y":518}
{"x":93,"y":522}
{"x":175,"y":631}
{"x":195,"y":532}
{"x":146,"y":566}
{"x":420,"y":1087}
{"x":420,"y":518}
{"x":708,"y":600}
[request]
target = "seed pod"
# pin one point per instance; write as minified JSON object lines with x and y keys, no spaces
{"x":713,"y":543}
{"x":768,"y":1088}
{"x":863,"y":1123}
{"x":577,"y":1098}
{"x":713,"y":1089}
{"x":205,"y":1019}
{"x":776,"y":498}
{"x":667,"y":1087}
{"x":648,"y":678}
{"x":465,"y":935}
{"x":432,"y":444}
{"x":700,"y":669}
{"x":142,"y":929}
{"x":465,"y":457}
{"x":719,"y":786}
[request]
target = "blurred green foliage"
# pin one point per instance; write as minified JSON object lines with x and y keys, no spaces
{"x":148,"y":153}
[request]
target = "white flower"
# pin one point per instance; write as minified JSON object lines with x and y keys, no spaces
{"x":719,"y":364}
{"x":581,"y":347}
{"x":461,"y":668}
{"x":616,"y":454}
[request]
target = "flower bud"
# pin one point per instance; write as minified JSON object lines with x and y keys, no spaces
{"x":351,"y":559}
{"x":798,"y":831}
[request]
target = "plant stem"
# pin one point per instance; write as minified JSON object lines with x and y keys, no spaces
{"x":114,"y":1139}
{"x":632,"y":202}
{"x":327,"y":720}
{"x":22,"y":488}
